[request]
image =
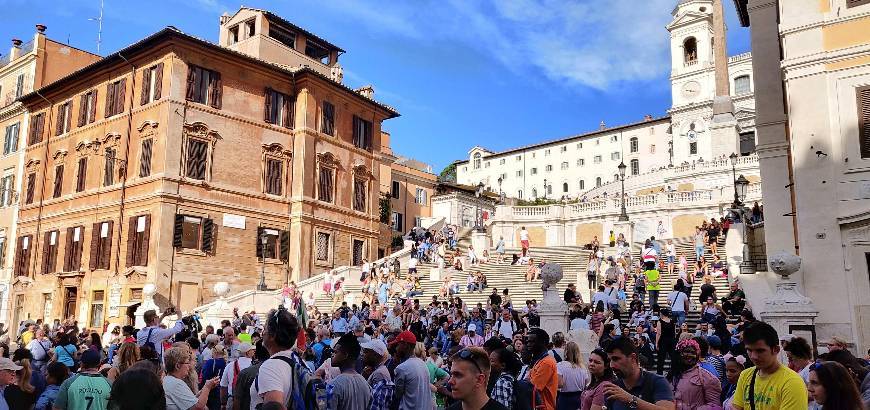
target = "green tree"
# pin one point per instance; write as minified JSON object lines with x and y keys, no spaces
{"x":448,"y":174}
{"x":385,"y":207}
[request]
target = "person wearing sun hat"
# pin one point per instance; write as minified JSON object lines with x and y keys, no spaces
{"x":411,"y":375}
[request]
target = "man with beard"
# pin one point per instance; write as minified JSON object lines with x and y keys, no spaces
{"x":543,"y":375}
{"x":636,"y":388}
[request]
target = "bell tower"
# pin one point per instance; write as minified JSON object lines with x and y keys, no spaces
{"x":692,"y":59}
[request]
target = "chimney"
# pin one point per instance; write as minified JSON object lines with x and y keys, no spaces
{"x":225,"y":17}
{"x":647,"y":117}
{"x":602,"y":126}
{"x":41,"y":28}
{"x":15,"y":52}
{"x":367,"y":91}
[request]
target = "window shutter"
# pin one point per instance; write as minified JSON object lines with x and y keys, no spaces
{"x":207,"y":235}
{"x":191,"y":82}
{"x":142,"y":252}
{"x":285,"y":113}
{"x":110,"y":99}
{"x":83,"y":107}
{"x":83,"y":173}
{"x":106,"y":247}
{"x":122,"y":91}
{"x":46,"y":253}
{"x":131,"y":241}
{"x":68,"y":116}
{"x":145,"y":158}
{"x":267,"y":116}
{"x":31,"y":186}
{"x":176,"y":233}
{"x":95,"y":246}
{"x":146,"y":86}
{"x":285,"y":246}
{"x":864,"y":120}
{"x":68,"y":249}
{"x":58,"y":181}
{"x":58,"y":126}
{"x":35,"y":128}
{"x":158,"y":81}
{"x":257,"y":243}
{"x":216,"y":90}
{"x":80,"y":246}
{"x":93,"y":113}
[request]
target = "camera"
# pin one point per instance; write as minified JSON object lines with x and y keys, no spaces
{"x":192,"y":327}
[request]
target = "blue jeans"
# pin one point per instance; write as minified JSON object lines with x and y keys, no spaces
{"x":699,"y":251}
{"x":653,"y":298}
{"x":679,"y":316}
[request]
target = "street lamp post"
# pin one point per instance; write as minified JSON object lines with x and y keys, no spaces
{"x":545,"y":188}
{"x":623,"y":216}
{"x":263,"y":240}
{"x":736,"y":204}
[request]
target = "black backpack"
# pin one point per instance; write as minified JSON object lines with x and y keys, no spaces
{"x":524,"y":392}
{"x":326,"y":353}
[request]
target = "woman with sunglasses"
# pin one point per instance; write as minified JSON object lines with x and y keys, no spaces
{"x":831,"y":387}
{"x":694,"y":387}
{"x":601,"y":376}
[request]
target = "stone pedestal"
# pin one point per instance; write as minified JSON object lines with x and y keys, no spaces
{"x":147,"y":304}
{"x":554,"y":313}
{"x":724,"y":130}
{"x":480,"y":241}
{"x":787,"y":307}
{"x":435,"y":274}
{"x":626,"y":228}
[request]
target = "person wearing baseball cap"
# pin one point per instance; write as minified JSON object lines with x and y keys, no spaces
{"x":472,"y":339}
{"x":374,"y":355}
{"x":7,"y":377}
{"x":412,"y":375}
{"x":232,"y":370}
{"x":86,"y":389}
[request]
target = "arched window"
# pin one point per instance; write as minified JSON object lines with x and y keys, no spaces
{"x":477,"y":161}
{"x":520,"y":194}
{"x":582,"y":185}
{"x":635,"y":167}
{"x":598,"y":182}
{"x":534,"y":193}
{"x":742,"y":85}
{"x":690,"y":51}
{"x":633,"y":142}
{"x":564,"y":187}
{"x":616,"y":177}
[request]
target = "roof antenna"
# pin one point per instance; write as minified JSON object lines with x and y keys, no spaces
{"x":99,"y":21}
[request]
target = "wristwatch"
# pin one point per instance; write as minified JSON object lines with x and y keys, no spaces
{"x":633,"y":403}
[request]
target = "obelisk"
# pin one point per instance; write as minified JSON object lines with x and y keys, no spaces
{"x":725,"y":137}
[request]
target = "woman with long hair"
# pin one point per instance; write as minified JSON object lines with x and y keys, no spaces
{"x":666,"y":331}
{"x":831,"y":386}
{"x":573,"y":378}
{"x":600,"y":376}
{"x":694,"y":388}
{"x":127,"y":356}
{"x":860,"y":374}
{"x":22,"y":394}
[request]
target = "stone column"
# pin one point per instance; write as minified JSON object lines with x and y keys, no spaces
{"x":553,"y":310}
{"x":480,"y":241}
{"x":626,"y":228}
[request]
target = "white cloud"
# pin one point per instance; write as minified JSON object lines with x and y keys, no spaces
{"x":587,"y":43}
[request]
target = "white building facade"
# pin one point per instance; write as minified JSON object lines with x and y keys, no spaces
{"x":573,"y":167}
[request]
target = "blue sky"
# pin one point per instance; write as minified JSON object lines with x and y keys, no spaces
{"x":496,"y":73}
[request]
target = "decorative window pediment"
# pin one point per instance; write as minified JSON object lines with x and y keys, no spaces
{"x":147,"y":128}
{"x":328,"y":160}
{"x":59,"y":156}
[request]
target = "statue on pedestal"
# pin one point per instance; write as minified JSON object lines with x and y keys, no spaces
{"x":552,"y":310}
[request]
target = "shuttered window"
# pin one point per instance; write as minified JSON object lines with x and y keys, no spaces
{"x":58,"y":181}
{"x":138,"y":237}
{"x":635,"y":167}
{"x":193,"y":232}
{"x":88,"y":108}
{"x":864,"y":120}
{"x":109,"y":174}
{"x":856,"y":3}
{"x":115,"y":96}
{"x":359,"y":194}
{"x":274,"y":176}
{"x":82,"y":174}
{"x":22,"y":255}
{"x":322,"y":246}
{"x":362,"y":133}
{"x":267,"y":243}
{"x":145,"y":158}
{"x":197,"y":155}
{"x":101,"y":245}
{"x":10,"y":139}
{"x":152,"y":84}
{"x":325,"y":185}
{"x":50,"y":244}
{"x":37,"y":128}
{"x":204,"y":86}
{"x":64,"y":118}
{"x":327,"y":120}
{"x":277,"y":108}
{"x":75,"y":239}
{"x":31,"y":188}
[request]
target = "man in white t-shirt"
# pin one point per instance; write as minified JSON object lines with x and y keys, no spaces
{"x":233,"y":368}
{"x":505,"y":326}
{"x":279,"y":338}
{"x":679,"y":304}
{"x":412,"y":267}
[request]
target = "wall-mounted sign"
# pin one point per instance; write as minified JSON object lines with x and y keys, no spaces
{"x":234,"y":221}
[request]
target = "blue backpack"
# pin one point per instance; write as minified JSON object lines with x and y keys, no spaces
{"x":307,"y":392}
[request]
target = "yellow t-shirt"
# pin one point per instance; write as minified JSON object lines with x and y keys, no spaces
{"x":782,"y":390}
{"x":26,"y":337}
